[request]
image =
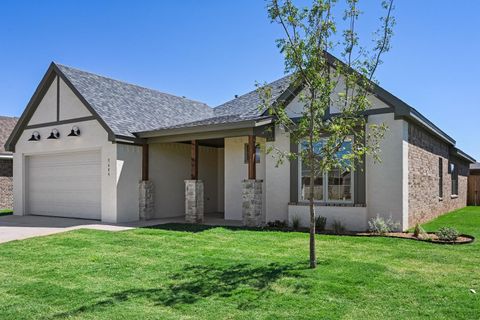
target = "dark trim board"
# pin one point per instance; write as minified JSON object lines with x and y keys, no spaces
{"x":58,"y":99}
{"x":52,"y":73}
{"x":60,"y":122}
{"x":39,"y":93}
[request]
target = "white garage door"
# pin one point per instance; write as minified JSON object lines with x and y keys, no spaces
{"x":64,"y":185}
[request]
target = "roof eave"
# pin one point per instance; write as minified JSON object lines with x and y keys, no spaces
{"x":462,"y":155}
{"x":205,"y":128}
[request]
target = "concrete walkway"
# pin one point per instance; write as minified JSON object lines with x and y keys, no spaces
{"x":23,"y":227}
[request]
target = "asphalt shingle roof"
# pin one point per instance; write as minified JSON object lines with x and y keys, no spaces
{"x":6,"y":126}
{"x":127,"y":108}
{"x":248,"y":104}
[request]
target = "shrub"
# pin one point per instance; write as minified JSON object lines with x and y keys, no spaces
{"x":420,"y":233}
{"x":338,"y":227}
{"x":320,"y":223}
{"x":447,"y":234}
{"x":380,"y":225}
{"x":295,"y":222}
{"x":279,"y":224}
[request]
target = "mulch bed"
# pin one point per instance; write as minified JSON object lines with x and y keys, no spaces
{"x":432,"y":237}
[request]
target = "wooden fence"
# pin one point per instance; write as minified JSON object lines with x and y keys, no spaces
{"x":473,"y":195}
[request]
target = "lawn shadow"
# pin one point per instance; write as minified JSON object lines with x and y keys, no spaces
{"x":195,"y":282}
{"x":194,"y":228}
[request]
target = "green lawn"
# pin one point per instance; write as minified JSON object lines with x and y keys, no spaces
{"x":216,"y":273}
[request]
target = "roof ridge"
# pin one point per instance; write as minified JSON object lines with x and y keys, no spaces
{"x":128,"y":83}
{"x":252,"y":91}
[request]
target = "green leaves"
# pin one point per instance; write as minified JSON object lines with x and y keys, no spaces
{"x":335,"y":94}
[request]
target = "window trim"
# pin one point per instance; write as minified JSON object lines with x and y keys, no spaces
{"x":440,"y":178}
{"x":325,"y":186}
{"x":453,"y":173}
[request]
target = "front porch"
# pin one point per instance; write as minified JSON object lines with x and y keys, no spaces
{"x":215,"y":178}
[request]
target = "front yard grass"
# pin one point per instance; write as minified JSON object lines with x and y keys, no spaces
{"x":217,"y":273}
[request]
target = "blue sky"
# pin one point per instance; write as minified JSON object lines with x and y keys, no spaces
{"x":212,"y":50}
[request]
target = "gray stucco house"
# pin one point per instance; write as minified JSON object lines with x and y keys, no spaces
{"x":92,"y":147}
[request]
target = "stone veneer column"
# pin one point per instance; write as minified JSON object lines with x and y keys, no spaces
{"x":146,"y":200}
{"x":252,"y":202}
{"x":194,"y":201}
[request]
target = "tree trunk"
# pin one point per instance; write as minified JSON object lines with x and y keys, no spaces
{"x":313,"y":256}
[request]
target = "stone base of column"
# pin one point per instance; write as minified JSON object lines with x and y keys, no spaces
{"x":252,"y":203}
{"x":193,"y":201}
{"x":146,"y":200}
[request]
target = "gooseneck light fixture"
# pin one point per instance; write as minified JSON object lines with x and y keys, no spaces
{"x":75,"y":132}
{"x":54,"y":134}
{"x":35,"y":136}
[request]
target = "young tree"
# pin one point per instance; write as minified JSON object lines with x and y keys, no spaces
{"x":326,"y":83}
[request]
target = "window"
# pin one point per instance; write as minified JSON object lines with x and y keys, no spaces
{"x":257,"y":153}
{"x":333,"y":186}
{"x":454,"y":175}
{"x":440,"y":177}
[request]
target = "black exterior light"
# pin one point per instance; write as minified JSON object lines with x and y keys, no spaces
{"x":75,"y":132}
{"x":35,"y":136}
{"x":54,"y":134}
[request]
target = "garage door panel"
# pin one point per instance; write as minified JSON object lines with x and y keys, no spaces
{"x":66,"y":185}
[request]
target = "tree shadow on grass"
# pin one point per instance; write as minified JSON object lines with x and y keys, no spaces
{"x":194,"y":228}
{"x":245,"y":282}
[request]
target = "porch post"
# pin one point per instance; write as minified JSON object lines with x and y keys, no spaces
{"x":194,"y":190}
{"x":252,"y":170}
{"x":252,"y":206}
{"x":194,"y":160}
{"x":146,"y":190}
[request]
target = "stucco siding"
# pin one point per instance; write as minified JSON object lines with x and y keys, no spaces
{"x":277,"y":181}
{"x":353,"y":218}
{"x":386,"y":180}
{"x":93,"y":137}
{"x":70,"y":105}
{"x":170,"y":166}
{"x":47,"y":108}
{"x":129,"y":174}
{"x":236,"y":170}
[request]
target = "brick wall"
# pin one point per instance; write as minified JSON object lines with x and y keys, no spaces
{"x":424,"y":152}
{"x":6,"y":184}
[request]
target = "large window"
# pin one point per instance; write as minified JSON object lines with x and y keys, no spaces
{"x":333,"y":186}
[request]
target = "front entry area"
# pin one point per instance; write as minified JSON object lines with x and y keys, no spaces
{"x":64,"y":185}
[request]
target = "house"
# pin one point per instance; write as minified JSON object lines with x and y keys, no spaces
{"x":6,"y":163}
{"x":473,"y":198}
{"x":91,"y":147}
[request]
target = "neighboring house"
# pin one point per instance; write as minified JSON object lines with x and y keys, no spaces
{"x":92,"y":147}
{"x":474,"y":185}
{"x":6,"y":163}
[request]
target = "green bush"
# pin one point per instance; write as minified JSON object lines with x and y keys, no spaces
{"x":277,"y":224}
{"x":320,"y":223}
{"x":338,"y":227}
{"x":447,"y":234}
{"x":420,"y":233}
{"x":382,"y":226}
{"x":295,"y":222}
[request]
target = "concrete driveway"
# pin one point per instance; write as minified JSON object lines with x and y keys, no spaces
{"x":23,"y":227}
